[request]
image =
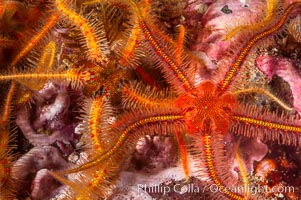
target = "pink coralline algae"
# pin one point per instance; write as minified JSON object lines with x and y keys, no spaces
{"x":154,"y":153}
{"x":220,"y":18}
{"x":250,"y":151}
{"x":49,"y":120}
{"x":287,"y":70}
{"x":49,"y":126}
{"x":31,"y":170}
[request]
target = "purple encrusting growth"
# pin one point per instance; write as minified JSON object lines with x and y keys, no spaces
{"x":154,"y":153}
{"x":49,"y":126}
{"x":31,"y":170}
{"x":47,"y":123}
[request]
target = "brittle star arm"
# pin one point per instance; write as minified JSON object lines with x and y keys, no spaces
{"x":135,"y":128}
{"x":210,"y":159}
{"x":270,"y":12}
{"x":266,"y":93}
{"x":50,"y":22}
{"x":241,"y":56}
{"x":7,"y":106}
{"x":163,"y":52}
{"x":183,"y":151}
{"x":253,"y":122}
{"x":138,"y":97}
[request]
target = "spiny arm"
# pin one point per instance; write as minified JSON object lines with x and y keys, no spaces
{"x":264,"y":92}
{"x":76,"y":77}
{"x":96,"y":113}
{"x":210,"y":162}
{"x":9,"y":97}
{"x":235,"y":67}
{"x":92,"y":40}
{"x":183,"y":151}
{"x":74,"y":186}
{"x":149,"y":124}
{"x":270,"y":13}
{"x":180,"y":44}
{"x":51,"y":21}
{"x":242,"y":168}
{"x":212,"y":165}
{"x":137,"y":96}
{"x":45,"y":65}
{"x":172,"y":67}
{"x":253,"y":122}
{"x":267,"y":124}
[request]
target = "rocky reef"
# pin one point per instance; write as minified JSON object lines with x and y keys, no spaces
{"x":150,"y":99}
